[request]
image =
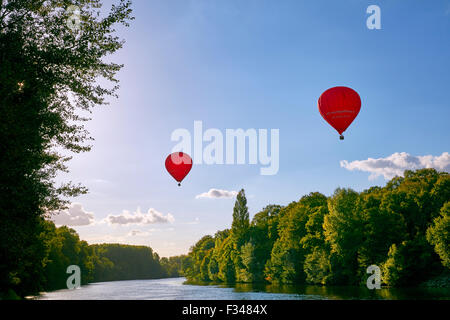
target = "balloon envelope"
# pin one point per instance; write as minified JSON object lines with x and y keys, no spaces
{"x":339,"y":106}
{"x":178,"y":164}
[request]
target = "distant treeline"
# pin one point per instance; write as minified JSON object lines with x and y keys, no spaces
{"x":127,"y":262}
{"x":404,"y":228}
{"x":61,"y":247}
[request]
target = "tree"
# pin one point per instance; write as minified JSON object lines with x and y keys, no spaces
{"x":216,"y":255}
{"x":381,"y":229}
{"x":65,"y":248}
{"x":249,"y":263}
{"x":48,"y":73}
{"x":172,"y":266}
{"x":199,"y":255}
{"x":343,"y":231}
{"x":438,"y":234}
{"x":226,"y":258}
{"x":204,"y":270}
{"x":417,"y":198}
{"x":317,"y":266}
{"x":126,"y":262}
{"x":213,"y":268}
{"x":263,"y":234}
{"x":333,"y":240}
{"x":241,"y":221}
{"x":409,"y":263}
{"x":286,"y":256}
{"x":240,"y":228}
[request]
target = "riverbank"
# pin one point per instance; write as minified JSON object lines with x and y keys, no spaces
{"x":441,"y":281}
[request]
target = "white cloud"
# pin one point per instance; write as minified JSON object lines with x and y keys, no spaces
{"x":217,"y":193}
{"x":138,"y":218}
{"x":75,"y":215}
{"x":397,"y":163}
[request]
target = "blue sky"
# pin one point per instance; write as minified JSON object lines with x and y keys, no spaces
{"x":261,"y":64}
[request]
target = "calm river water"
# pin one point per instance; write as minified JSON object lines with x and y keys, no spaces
{"x":174,"y":289}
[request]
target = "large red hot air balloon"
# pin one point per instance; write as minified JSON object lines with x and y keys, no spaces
{"x":339,"y":106}
{"x":178,"y":164}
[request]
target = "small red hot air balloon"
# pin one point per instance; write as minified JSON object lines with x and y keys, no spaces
{"x":178,"y":164}
{"x":339,"y":106}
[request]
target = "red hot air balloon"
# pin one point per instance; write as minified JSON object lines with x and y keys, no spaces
{"x":178,"y":164}
{"x":339,"y":106}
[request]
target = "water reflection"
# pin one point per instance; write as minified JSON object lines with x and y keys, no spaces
{"x":346,"y":292}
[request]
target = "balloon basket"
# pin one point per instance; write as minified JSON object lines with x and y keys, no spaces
{"x":341,"y":137}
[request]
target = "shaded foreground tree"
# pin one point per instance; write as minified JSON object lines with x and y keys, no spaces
{"x":48,"y":74}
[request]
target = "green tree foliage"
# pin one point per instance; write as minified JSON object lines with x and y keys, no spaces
{"x":418,"y":198}
{"x":240,"y":228}
{"x":409,"y":263}
{"x":100,"y":262}
{"x":241,"y":223}
{"x":297,"y":226}
{"x":197,"y":266}
{"x":127,"y":262}
{"x":286,"y":260}
{"x":381,"y":229}
{"x":213,"y":269}
{"x":263,"y":234}
{"x":226,"y":261}
{"x":317,"y":266}
{"x":343,"y":230}
{"x":216,"y":255}
{"x":48,"y":74}
{"x":402,"y":227}
{"x":249,"y":263}
{"x":64,"y":249}
{"x":438,"y":234}
{"x":172,"y":266}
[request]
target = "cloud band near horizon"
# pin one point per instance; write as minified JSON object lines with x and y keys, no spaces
{"x":138,"y":218}
{"x":74,"y":215}
{"x":397,"y":163}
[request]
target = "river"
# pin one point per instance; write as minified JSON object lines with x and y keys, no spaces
{"x":175,"y":289}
